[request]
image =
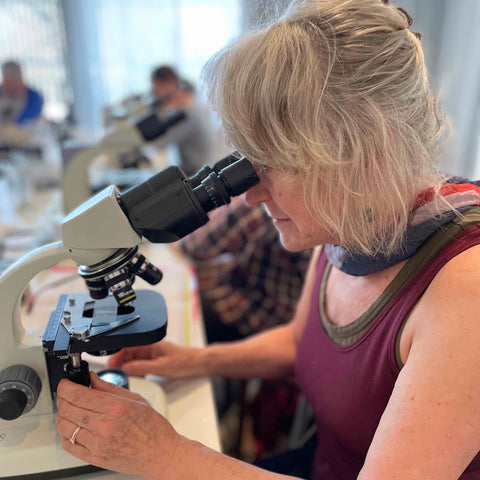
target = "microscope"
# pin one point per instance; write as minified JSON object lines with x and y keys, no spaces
{"x":102,"y":236}
{"x":123,"y":141}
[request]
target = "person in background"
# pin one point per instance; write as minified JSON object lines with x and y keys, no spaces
{"x":247,"y":281}
{"x":19,"y":104}
{"x":332,"y":105}
{"x":195,"y":137}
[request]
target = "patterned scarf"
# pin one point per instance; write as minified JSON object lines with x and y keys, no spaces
{"x":430,"y":213}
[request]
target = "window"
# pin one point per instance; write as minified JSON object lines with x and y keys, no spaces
{"x":32,"y":33}
{"x":136,"y":35}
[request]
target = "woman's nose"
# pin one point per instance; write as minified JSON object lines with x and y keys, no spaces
{"x":256,"y":195}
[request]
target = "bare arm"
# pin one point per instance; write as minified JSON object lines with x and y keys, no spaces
{"x":194,"y":460}
{"x":431,"y":426}
{"x":270,"y":354}
{"x":142,"y":443}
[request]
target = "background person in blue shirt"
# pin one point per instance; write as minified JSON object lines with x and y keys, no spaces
{"x":19,"y":104}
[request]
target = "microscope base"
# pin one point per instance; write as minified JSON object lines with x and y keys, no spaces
{"x":30,"y":447}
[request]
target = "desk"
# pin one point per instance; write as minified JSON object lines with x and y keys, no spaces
{"x":190,"y":402}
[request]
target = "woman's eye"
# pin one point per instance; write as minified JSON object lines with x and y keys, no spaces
{"x":264,"y":168}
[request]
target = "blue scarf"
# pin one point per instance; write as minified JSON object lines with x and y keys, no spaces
{"x":426,"y":219}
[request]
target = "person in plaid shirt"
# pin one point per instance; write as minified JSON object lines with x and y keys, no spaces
{"x":248,"y":282}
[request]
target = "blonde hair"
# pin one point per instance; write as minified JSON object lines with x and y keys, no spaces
{"x":336,"y":92}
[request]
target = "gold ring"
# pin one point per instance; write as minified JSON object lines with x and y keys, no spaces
{"x":73,"y":438}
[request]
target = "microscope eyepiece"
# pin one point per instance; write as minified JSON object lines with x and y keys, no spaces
{"x":169,"y":205}
{"x":205,"y":171}
{"x":232,"y":179}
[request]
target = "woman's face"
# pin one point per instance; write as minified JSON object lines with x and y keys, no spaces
{"x":284,"y":201}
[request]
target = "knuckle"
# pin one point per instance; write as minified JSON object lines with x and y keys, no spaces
{"x":64,"y":409}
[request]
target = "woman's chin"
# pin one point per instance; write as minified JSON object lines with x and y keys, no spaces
{"x":292,"y":243}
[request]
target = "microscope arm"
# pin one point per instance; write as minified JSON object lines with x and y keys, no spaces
{"x":12,"y":284}
{"x":76,"y":186}
{"x":123,"y":139}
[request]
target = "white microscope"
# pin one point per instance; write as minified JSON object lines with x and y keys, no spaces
{"x":125,"y":139}
{"x":102,"y":236}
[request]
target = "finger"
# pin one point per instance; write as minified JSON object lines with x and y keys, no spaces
{"x":66,"y":429}
{"x":81,"y":396}
{"x":80,"y":451}
{"x":140,"y":368}
{"x":127,"y":354}
{"x":116,"y":360}
{"x":77,"y":415}
{"x":107,"y":387}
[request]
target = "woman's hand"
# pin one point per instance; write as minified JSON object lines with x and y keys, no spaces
{"x":119,"y":430}
{"x":161,"y":358}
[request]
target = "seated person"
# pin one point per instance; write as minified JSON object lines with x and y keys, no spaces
{"x":195,"y":136}
{"x":19,"y":104}
{"x":332,"y":105}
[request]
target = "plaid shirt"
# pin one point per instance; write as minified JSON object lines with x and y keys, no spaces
{"x":245,"y":276}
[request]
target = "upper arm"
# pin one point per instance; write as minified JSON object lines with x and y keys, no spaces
{"x":431,"y":426}
{"x":303,"y":305}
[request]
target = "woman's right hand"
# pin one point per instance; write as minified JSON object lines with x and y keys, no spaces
{"x":161,"y":358}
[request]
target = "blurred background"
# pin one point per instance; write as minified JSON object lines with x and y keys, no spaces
{"x":87,"y":66}
{"x":88,"y":56}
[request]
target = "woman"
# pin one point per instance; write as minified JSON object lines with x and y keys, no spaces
{"x":332,"y":104}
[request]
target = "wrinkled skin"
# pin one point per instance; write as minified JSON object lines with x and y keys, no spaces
{"x":120,"y":431}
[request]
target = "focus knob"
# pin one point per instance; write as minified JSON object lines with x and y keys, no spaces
{"x":20,"y":387}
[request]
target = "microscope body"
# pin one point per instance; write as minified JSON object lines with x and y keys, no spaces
{"x":102,"y":236}
{"x":125,"y":138}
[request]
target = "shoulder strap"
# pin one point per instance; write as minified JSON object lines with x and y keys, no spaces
{"x":346,"y":335}
{"x":432,"y":247}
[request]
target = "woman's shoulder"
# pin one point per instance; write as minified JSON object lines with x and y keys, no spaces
{"x":461,"y":271}
{"x":452,"y":299}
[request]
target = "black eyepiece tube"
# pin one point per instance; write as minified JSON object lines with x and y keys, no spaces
{"x":238,"y":177}
{"x":169,"y":206}
{"x":228,"y":160}
{"x":204,"y":172}
{"x":235,"y":179}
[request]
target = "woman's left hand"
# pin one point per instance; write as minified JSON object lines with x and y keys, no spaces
{"x":119,"y":430}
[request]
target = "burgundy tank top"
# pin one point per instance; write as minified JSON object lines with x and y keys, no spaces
{"x":349,"y":387}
